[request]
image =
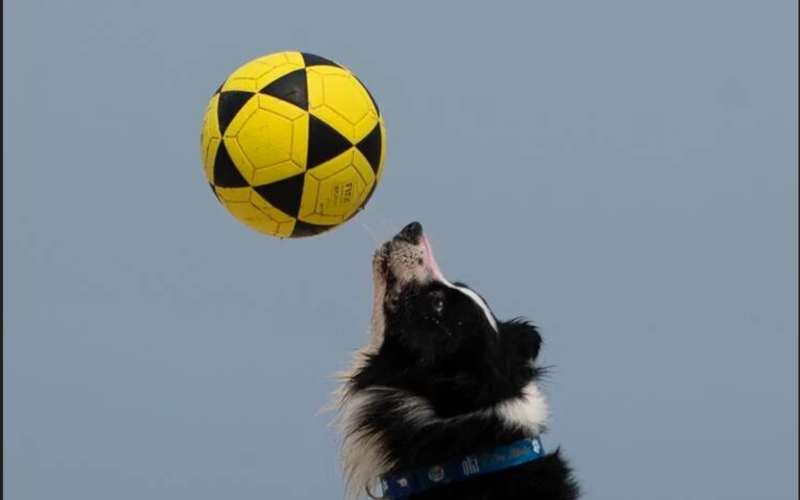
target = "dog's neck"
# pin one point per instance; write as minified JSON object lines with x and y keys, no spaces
{"x":386,"y":429}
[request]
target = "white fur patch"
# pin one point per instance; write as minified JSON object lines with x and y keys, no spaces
{"x":481,"y":303}
{"x":364,"y":456}
{"x":528,"y":412}
{"x":478,"y":301}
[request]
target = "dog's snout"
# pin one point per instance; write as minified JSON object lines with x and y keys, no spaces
{"x":411,"y":233}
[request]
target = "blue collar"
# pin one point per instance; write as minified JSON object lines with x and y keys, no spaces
{"x":400,"y":485}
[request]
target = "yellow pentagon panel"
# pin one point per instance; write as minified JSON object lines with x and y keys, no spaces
{"x":266,"y":139}
{"x":210,"y":138}
{"x":341,"y":194}
{"x":277,"y":142}
{"x":265,"y":144}
{"x":337,"y":98}
{"x":332,"y":190}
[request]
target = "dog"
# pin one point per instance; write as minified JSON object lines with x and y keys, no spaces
{"x":444,"y":402}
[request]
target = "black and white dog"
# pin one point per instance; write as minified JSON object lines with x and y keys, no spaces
{"x":444,"y":402}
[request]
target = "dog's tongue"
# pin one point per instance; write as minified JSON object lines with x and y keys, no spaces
{"x":430,"y":261}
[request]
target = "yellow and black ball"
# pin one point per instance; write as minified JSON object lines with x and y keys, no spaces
{"x":293,"y":144}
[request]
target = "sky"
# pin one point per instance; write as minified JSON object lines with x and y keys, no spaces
{"x":623,"y":173}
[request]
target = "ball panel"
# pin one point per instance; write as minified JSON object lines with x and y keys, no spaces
{"x":281,"y":108}
{"x":364,"y":169}
{"x":372,"y":147}
{"x":269,"y":210}
{"x":291,"y":88}
{"x":254,"y":212}
{"x":316,"y":90}
{"x":299,"y":140}
{"x":327,"y":70}
{"x":371,"y":98}
{"x":304,"y":229}
{"x":308,"y":203}
{"x":254,"y":69}
{"x":341,"y":193}
{"x":275,"y":173}
{"x":333,"y":166}
{"x":229,"y":105}
{"x":209,"y":155}
{"x":240,"y":85}
{"x":285,"y":195}
{"x":237,"y":120}
{"x":382,"y":161}
{"x":339,"y":99}
{"x":255,"y":75}
{"x":253,"y":218}
{"x":231,"y":139}
{"x":365,"y":126}
{"x":333,"y":190}
{"x":233,"y":194}
{"x":312,"y":208}
{"x":265,"y":139}
{"x":345,"y":95}
{"x":316,"y":97}
{"x":324,"y":143}
{"x":226,"y":173}
{"x":279,"y":58}
{"x":292,"y":62}
{"x":210,"y":138}
{"x":315,"y":60}
{"x":238,"y":160}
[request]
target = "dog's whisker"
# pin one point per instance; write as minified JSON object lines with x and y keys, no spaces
{"x":370,"y":232}
{"x":384,"y":222}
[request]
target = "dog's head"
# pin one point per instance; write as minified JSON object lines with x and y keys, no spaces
{"x":440,"y":371}
{"x":436,"y":338}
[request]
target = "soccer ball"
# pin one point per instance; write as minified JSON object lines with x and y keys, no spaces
{"x":293,"y":144}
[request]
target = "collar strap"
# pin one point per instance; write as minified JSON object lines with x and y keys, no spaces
{"x":400,"y":485}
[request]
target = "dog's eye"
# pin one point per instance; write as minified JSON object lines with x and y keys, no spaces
{"x":437,"y":302}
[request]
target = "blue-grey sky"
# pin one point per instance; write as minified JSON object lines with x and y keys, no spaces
{"x":624,"y":173}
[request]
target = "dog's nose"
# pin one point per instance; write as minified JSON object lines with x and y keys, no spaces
{"x":411,"y":233}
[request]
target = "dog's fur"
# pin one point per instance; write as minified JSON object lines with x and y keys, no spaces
{"x":442,"y":378}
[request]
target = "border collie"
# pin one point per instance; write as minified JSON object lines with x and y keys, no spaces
{"x":444,"y":402}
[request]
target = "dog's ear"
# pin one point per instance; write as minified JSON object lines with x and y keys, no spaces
{"x":521,"y":342}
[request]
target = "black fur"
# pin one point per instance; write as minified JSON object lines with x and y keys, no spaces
{"x":439,"y":347}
